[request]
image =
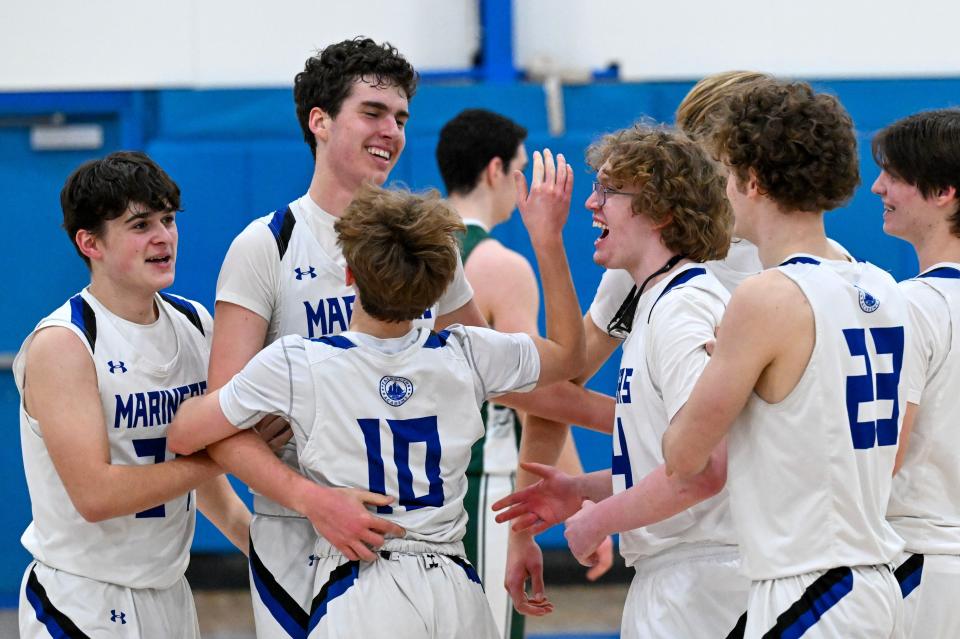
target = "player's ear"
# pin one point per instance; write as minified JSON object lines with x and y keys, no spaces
{"x":945,"y":196}
{"x":319,"y":122}
{"x":494,"y":171}
{"x":89,"y":244}
{"x":349,"y":279}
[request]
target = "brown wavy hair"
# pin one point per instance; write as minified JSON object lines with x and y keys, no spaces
{"x":696,"y":116}
{"x":677,"y":184}
{"x":799,"y":144}
{"x":401,"y":248}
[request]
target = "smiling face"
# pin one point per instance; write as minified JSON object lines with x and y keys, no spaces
{"x":136,"y":251}
{"x":364,"y":141}
{"x":906,"y":213}
{"x":623,"y":233}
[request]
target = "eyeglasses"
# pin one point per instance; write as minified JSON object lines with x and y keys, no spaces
{"x":602,"y":192}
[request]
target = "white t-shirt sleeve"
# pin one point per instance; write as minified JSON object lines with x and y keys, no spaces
{"x":276,"y":381}
{"x":682,"y":323}
{"x":928,"y":337}
{"x":249,"y":274}
{"x":501,"y":362}
{"x":457,"y":294}
{"x":614,"y":287}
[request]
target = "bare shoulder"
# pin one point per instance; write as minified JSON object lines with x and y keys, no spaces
{"x":57,"y":345}
{"x":767,"y":305}
{"x":494,"y":261}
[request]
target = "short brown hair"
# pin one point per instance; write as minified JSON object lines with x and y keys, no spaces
{"x":401,"y":248}
{"x":699,"y":109}
{"x":923,"y":150}
{"x":800,"y":145}
{"x":678,"y":183}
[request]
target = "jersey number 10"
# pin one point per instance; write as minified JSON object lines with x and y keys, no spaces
{"x":405,"y":432}
{"x":874,"y":391}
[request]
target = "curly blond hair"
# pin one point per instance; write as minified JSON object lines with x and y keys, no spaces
{"x":677,"y":183}
{"x":696,"y":116}
{"x":401,"y":248}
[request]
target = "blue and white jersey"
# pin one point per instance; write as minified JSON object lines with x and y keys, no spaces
{"x":742,"y":261}
{"x":287,"y":268}
{"x":396,"y":417}
{"x":809,"y":477}
{"x":663,"y":357}
{"x":149,"y":549}
{"x":925,"y":503}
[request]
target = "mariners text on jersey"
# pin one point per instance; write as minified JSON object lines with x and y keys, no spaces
{"x":155,"y":407}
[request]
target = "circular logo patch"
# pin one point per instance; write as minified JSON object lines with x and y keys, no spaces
{"x":868,"y":303}
{"x":395,"y":390}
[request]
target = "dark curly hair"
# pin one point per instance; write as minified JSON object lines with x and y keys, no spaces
{"x":327,"y":77}
{"x":799,"y":144}
{"x":101,"y":190}
{"x":677,"y":182}
{"x":469,"y":141}
{"x":923,"y":150}
{"x":401,"y":248}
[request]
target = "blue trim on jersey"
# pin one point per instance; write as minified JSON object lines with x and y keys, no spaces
{"x":82,"y":316}
{"x":287,"y":612}
{"x":909,"y":574}
{"x":472,"y":574}
{"x":437,"y":340}
{"x":681,"y":278}
{"x":57,"y":624}
{"x":186,"y":308}
{"x":337,"y":341}
{"x":281,"y":225}
{"x":945,"y":272}
{"x":341,"y":580}
{"x":822,"y":595}
{"x":800,"y":259}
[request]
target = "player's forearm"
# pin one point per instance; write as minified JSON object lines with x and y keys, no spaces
{"x":116,"y":490}
{"x":566,"y":403}
{"x":219,"y":503}
{"x":541,"y":442}
{"x":248,"y":458}
{"x":564,"y":323}
{"x":655,"y":498}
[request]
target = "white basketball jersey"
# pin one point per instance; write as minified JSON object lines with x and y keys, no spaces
{"x":925,"y":502}
{"x":306,"y":290}
{"x":741,"y":262}
{"x":395,"y":422}
{"x":809,"y":477}
{"x":662,"y":358}
{"x":149,"y":549}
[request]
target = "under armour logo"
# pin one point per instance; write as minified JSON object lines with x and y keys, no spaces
{"x":433,"y":561}
{"x":312,"y":272}
{"x":115,"y":616}
{"x":119,"y":366}
{"x":313,"y":559}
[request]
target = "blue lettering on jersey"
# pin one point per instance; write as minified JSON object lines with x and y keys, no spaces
{"x":427,"y":314}
{"x":153,"y":408}
{"x":405,"y":432}
{"x":331,"y":315}
{"x":620,"y":464}
{"x":623,"y":385}
{"x":873,"y":387}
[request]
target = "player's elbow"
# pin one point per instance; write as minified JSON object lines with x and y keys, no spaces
{"x":573,"y":362}
{"x":179,"y":443}
{"x":93,"y":509}
{"x":680,"y":460}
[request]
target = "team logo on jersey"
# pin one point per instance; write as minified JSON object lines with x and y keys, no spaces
{"x":119,"y":366}
{"x":395,"y":390}
{"x":868,"y":303}
{"x":311,"y":271}
{"x":118,"y":617}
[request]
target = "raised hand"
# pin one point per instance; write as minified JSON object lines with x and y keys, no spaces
{"x":525,"y":563}
{"x":548,"y":502}
{"x":545,"y":207}
{"x":340,"y":515}
{"x":583,"y":536}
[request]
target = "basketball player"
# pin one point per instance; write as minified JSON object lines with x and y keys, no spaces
{"x":805,"y":378}
{"x":284,"y":274}
{"x":100,"y":379}
{"x":394,"y":408}
{"x":920,"y":161}
{"x":477,"y":153}
{"x":608,"y":323}
{"x":659,"y":202}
